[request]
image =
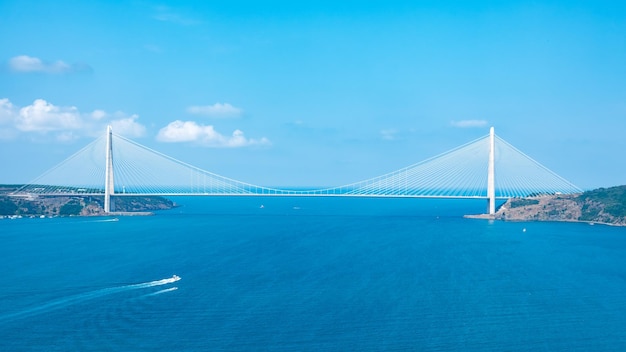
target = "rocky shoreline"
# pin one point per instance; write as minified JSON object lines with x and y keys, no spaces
{"x":601,"y":206}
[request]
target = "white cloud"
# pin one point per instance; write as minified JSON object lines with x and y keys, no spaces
{"x":64,"y":123}
{"x":44,"y":117}
{"x":7,"y":111}
{"x":27,"y":64}
{"x":24,"y":63}
{"x":128,"y":127}
{"x":179,"y":131}
{"x":98,"y":114}
{"x":190,"y":131}
{"x":7,"y":118}
{"x":215,"y":110}
{"x":469,"y":123}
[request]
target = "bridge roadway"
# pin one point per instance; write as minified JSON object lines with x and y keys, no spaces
{"x":286,"y":194}
{"x":113,"y":166}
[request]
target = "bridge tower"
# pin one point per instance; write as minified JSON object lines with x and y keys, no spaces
{"x":108,"y":177}
{"x":491,"y":174}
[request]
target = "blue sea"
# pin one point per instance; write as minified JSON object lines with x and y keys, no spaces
{"x":311,"y":274}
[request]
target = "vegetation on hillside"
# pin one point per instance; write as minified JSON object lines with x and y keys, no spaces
{"x":522,"y":202}
{"x":74,"y":205}
{"x":603,"y":205}
{"x":7,"y":207}
{"x":603,"y":201}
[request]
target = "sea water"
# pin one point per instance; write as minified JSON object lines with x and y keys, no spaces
{"x":311,"y":274}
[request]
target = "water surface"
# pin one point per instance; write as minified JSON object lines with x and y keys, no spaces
{"x":311,"y":274}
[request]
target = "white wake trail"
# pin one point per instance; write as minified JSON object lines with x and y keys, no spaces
{"x":67,"y":301}
{"x":162,"y":291}
{"x":151,"y":283}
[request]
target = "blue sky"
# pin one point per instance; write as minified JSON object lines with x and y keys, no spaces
{"x":317,"y":93}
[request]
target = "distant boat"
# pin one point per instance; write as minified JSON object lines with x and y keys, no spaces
{"x":262,"y":206}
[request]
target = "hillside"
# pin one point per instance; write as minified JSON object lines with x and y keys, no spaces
{"x":74,"y":205}
{"x":603,"y":205}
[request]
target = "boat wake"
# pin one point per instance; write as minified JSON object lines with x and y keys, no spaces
{"x":162,"y":291}
{"x":107,"y":220}
{"x":151,"y":283}
{"x":79,"y":298}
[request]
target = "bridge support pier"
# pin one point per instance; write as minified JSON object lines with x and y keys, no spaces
{"x":108,"y":176}
{"x":491,"y":176}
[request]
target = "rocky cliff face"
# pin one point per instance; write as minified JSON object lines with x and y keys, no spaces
{"x":604,"y":205}
{"x":78,"y":205}
{"x":546,"y":208}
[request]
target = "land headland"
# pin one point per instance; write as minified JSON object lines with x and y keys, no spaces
{"x":78,"y":205}
{"x":602,"y":206}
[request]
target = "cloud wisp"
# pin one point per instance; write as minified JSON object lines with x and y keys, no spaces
{"x":469,"y":123}
{"x":29,"y":64}
{"x":388,"y":134}
{"x":64,"y":123}
{"x":218,"y":110}
{"x":7,"y":111}
{"x":167,"y":14}
{"x":205,"y":135}
{"x":7,"y":116}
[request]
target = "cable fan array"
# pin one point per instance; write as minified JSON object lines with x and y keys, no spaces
{"x":458,"y":173}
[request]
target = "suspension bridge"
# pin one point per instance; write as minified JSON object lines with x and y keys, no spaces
{"x":113,"y":166}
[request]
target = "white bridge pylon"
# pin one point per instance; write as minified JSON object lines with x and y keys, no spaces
{"x":486,"y":168}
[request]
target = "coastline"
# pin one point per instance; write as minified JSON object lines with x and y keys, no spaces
{"x":33,"y":205}
{"x":129,"y":213}
{"x":495,"y":218}
{"x":603,"y":206}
